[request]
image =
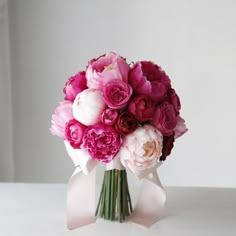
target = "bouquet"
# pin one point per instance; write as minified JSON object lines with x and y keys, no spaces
{"x":128,"y":117}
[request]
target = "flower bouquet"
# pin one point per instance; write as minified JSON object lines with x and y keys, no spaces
{"x":128,"y":117}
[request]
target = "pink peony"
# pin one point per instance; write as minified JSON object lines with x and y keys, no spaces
{"x":149,"y":79}
{"x":109,"y":116}
{"x":88,"y":107}
{"x":102,"y":142}
{"x":141,"y":149}
{"x":165,"y":118}
{"x":125,"y":123}
{"x":75,"y":85}
{"x":116,"y":93}
{"x":74,"y":133}
{"x":142,"y":108}
{"x":62,"y":114}
{"x":180,"y":128}
{"x":105,"y":68}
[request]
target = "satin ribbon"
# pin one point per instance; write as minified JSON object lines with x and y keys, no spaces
{"x":81,"y":190}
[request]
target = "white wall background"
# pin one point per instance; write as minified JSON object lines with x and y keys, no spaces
{"x":193,"y":40}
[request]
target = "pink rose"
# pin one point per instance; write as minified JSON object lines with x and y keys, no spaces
{"x":62,"y":114}
{"x":149,"y":79}
{"x":105,"y":68}
{"x":74,"y":133}
{"x":141,"y":149}
{"x":125,"y":123}
{"x":142,"y":108}
{"x":165,"y":118}
{"x":102,"y":142}
{"x":74,"y":85}
{"x":109,"y":116}
{"x":173,"y":98}
{"x":116,"y":93}
{"x":168,"y":144}
{"x":180,"y":128}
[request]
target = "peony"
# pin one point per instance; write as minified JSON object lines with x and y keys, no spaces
{"x":116,"y":93}
{"x":168,"y":144}
{"x":141,"y":149}
{"x":180,"y":128}
{"x":149,"y":79}
{"x":88,"y":107}
{"x":142,"y":108}
{"x":62,"y":114}
{"x":173,"y":98}
{"x":105,"y":68}
{"x":165,"y":118}
{"x":75,"y":85}
{"x":109,"y":116}
{"x":126,"y":123}
{"x":102,"y":142}
{"x":74,"y":133}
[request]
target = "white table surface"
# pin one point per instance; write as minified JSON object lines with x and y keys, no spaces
{"x":39,"y":209}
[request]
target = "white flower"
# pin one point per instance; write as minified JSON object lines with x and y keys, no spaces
{"x":88,"y":106}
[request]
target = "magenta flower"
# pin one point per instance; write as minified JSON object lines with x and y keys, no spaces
{"x":168,"y":144}
{"x":62,"y":114}
{"x":165,"y":118}
{"x":147,"y":78}
{"x":74,"y":133}
{"x":173,"y":98}
{"x":142,"y":108}
{"x":126,"y":123}
{"x":102,"y":142}
{"x":105,"y":68}
{"x":75,"y":85}
{"x":180,"y":128}
{"x":109,"y":116}
{"x":116,"y":93}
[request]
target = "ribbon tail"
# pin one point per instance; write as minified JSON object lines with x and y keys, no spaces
{"x":81,"y":199}
{"x":150,"y":201}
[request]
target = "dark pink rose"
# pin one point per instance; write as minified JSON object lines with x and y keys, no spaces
{"x":116,"y":93}
{"x":149,"y":79}
{"x":125,"y":123}
{"x":173,"y":98}
{"x":165,"y":118}
{"x":105,"y":68}
{"x":102,"y":142}
{"x":63,"y":113}
{"x":168,"y":144}
{"x":109,"y":116}
{"x":75,"y":85}
{"x":142,"y":108}
{"x":74,"y":133}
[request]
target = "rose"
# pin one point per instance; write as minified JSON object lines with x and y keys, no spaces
{"x":88,"y":107}
{"x":116,"y":93}
{"x":173,"y":98}
{"x":102,"y":142}
{"x":105,"y":68}
{"x":165,"y":118}
{"x":62,"y":114}
{"x":109,"y":116}
{"x":126,"y":123}
{"x":142,"y":108}
{"x":74,"y":133}
{"x":141,"y":149}
{"x":180,"y":128}
{"x":147,"y":78}
{"x":75,"y":85}
{"x":168,"y":144}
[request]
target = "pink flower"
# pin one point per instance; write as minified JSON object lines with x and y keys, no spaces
{"x":105,"y":68}
{"x":173,"y":98}
{"x":102,"y":142}
{"x":74,"y":133}
{"x":147,"y":78}
{"x":141,"y":149}
{"x":74,"y":85}
{"x":125,"y":123}
{"x":168,"y":144}
{"x":109,"y":116}
{"x":116,"y":93}
{"x":62,"y":114}
{"x":88,"y":107}
{"x":165,"y":118}
{"x":142,"y":108}
{"x":180,"y":128}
